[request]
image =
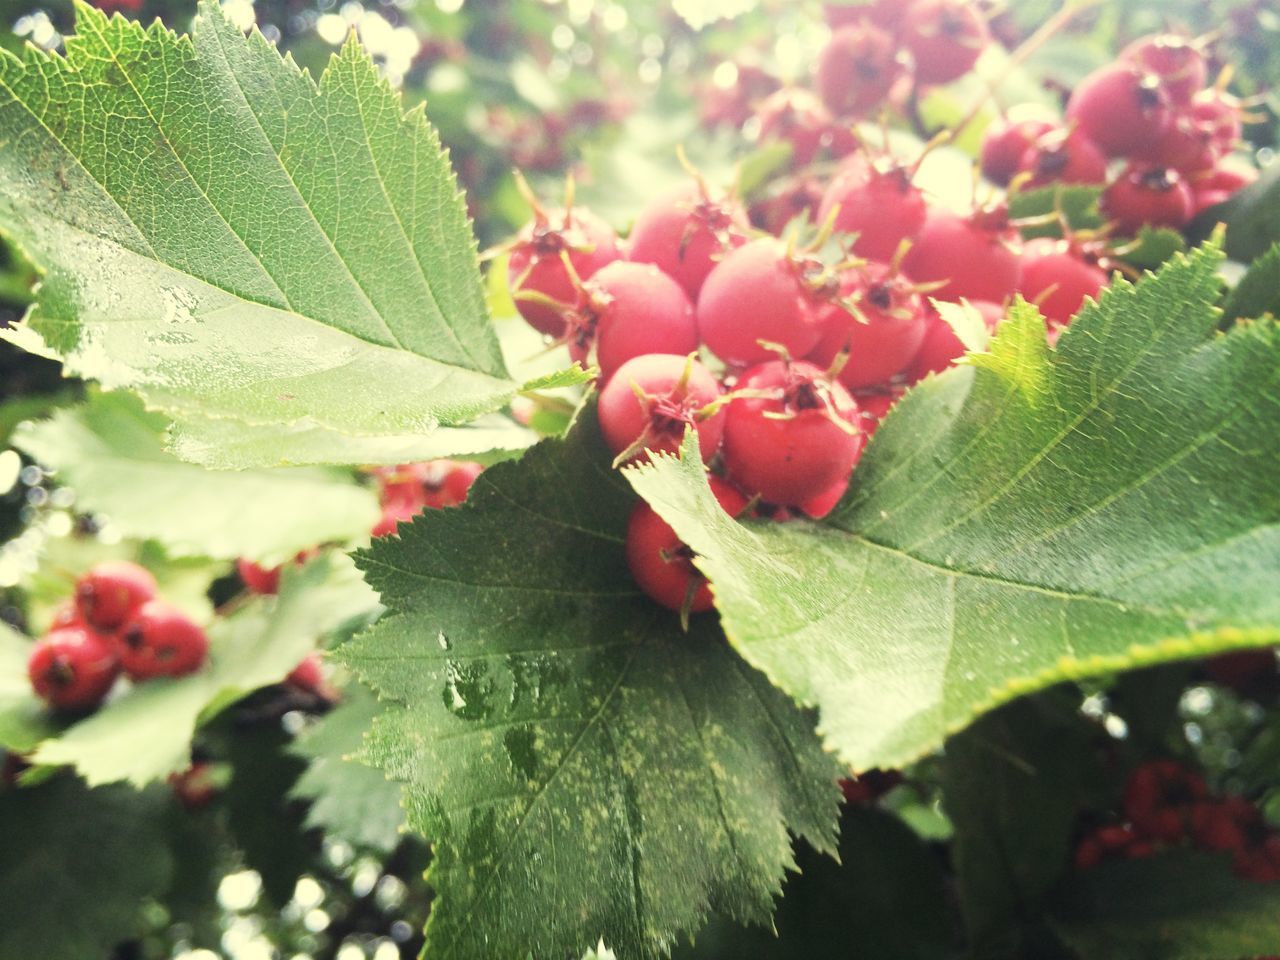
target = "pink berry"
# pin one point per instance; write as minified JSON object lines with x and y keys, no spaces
{"x":674,"y":389}
{"x":535,"y":265}
{"x":945,"y":38}
{"x":1174,"y":59}
{"x":308,"y":676}
{"x":72,"y":668}
{"x":110,"y":592}
{"x":796,"y":117}
{"x":257,"y":578}
{"x":662,"y":565}
{"x":445,"y":483}
{"x":940,"y":348}
{"x":1150,"y":196}
{"x":1222,"y":115}
{"x":785,"y":200}
{"x":1005,"y":142}
{"x":760,"y":293}
{"x":882,"y":337}
{"x":793,"y":446}
{"x":627,"y":310}
{"x":161,"y":641}
{"x":857,"y":69}
{"x":977,"y":256}
{"x":879,"y":204}
{"x":1121,"y":108}
{"x":1062,"y":156}
{"x":1187,"y":145}
{"x":686,"y":233}
{"x":1058,"y":279}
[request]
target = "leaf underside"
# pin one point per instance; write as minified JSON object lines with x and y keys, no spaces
{"x":583,"y":767}
{"x":236,"y":241}
{"x":1035,"y":516}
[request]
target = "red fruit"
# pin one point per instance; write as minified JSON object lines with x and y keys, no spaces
{"x":1158,"y":785}
{"x":1057,"y":279}
{"x":869,"y":786}
{"x":446,"y":483}
{"x":259,"y":579}
{"x":729,"y":99}
{"x":161,"y":641}
{"x":66,"y":614}
{"x":1062,"y":156}
{"x":535,"y":264}
{"x":1186,"y":145}
{"x":1221,"y":114}
{"x":884,"y":336}
{"x":977,"y":256}
{"x":874,"y":406}
{"x":1177,"y":62}
{"x":757,"y":293}
{"x":1226,"y":824}
{"x":1228,"y":178}
{"x":945,"y":38}
{"x":819,"y":505}
{"x":674,"y":388}
{"x":796,"y":116}
{"x":1121,"y":108}
{"x":627,"y":310}
{"x":197,"y":786}
{"x":308,"y":676}
{"x":784,"y":201}
{"x":857,"y":69}
{"x":793,"y":447}
{"x":1005,"y":142}
{"x":109,"y":593}
{"x":1147,"y":196}
{"x":661,"y":564}
{"x":393,"y":514}
{"x":878,"y":203}
{"x":883,"y":13}
{"x":940,"y":347}
{"x":685,"y":234}
{"x":72,"y":668}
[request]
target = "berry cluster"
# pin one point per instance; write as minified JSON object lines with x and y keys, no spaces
{"x":1166,"y":805}
{"x":409,"y":488}
{"x":712,"y":315}
{"x":114,"y":624}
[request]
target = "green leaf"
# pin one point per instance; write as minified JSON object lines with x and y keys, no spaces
{"x":145,"y":733}
{"x":76,"y":867}
{"x":1152,"y":247}
{"x":1258,"y":291}
{"x":1077,"y":203}
{"x":23,"y":720}
{"x":584,"y":768}
{"x":1012,"y":786}
{"x":349,"y":800}
{"x":1034,"y":516}
{"x":885,"y":899}
{"x":1177,"y":906}
{"x":109,"y":450}
{"x":1252,"y":216}
{"x":234,"y":240}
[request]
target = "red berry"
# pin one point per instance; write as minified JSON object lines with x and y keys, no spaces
{"x":759,"y":292}
{"x":797,"y":117}
{"x":977,"y":256}
{"x":883,"y":13}
{"x":879,"y":204}
{"x":1057,"y":279}
{"x":1221,"y":114}
{"x":661,"y":564}
{"x":66,"y":614}
{"x":820,"y":504}
{"x":257,"y":578}
{"x":72,"y":668}
{"x":1062,"y":156}
{"x":535,"y":265}
{"x":197,"y":786}
{"x":674,"y":388}
{"x":884,"y":335}
{"x":627,"y":310}
{"x":940,"y":347}
{"x":1120,"y":108}
{"x":686,"y":233}
{"x":308,"y":676}
{"x":393,"y":514}
{"x":874,"y":405}
{"x":1147,"y":196}
{"x":945,"y":38}
{"x":784,"y":201}
{"x":1187,"y":145}
{"x":161,"y":641}
{"x":796,"y":445}
{"x":1005,"y":142}
{"x":1159,"y":785}
{"x":857,"y":69}
{"x":1174,"y":59}
{"x":446,"y":483}
{"x":109,"y":593}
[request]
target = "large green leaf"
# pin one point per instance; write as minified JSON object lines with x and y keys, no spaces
{"x":234,"y":240}
{"x":76,"y":866}
{"x":145,"y":733}
{"x":110,"y":451}
{"x":1034,"y":516}
{"x":350,"y":801}
{"x":1258,"y":291}
{"x":1177,"y":906}
{"x":584,"y":768}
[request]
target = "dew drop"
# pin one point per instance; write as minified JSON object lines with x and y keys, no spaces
{"x":443,"y":641}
